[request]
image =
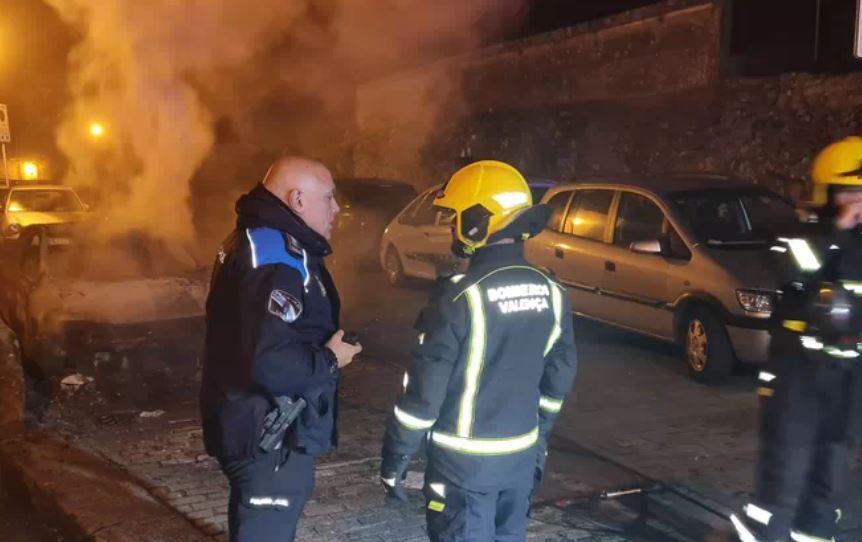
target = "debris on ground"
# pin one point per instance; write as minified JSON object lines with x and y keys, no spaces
{"x":74,"y":382}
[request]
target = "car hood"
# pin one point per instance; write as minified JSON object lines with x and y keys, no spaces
{"x":26,"y":219}
{"x":119,"y":302}
{"x":753,"y":267}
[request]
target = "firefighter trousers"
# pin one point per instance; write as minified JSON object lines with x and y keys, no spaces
{"x":806,"y":408}
{"x":455,"y":514}
{"x":267,"y":495}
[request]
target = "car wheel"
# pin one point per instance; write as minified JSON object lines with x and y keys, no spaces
{"x":393,"y":268}
{"x":707,"y":348}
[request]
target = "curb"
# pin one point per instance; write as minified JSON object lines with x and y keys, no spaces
{"x":85,"y":497}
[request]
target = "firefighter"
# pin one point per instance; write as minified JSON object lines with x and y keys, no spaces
{"x":494,"y":361}
{"x":809,"y":387}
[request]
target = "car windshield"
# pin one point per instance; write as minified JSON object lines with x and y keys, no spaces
{"x":44,"y":201}
{"x":734,"y":217}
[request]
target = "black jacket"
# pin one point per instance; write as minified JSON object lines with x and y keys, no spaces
{"x":272,"y":306}
{"x":495,"y":359}
{"x":819,"y":313}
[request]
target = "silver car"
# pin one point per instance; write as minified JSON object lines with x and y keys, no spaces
{"x":681,"y":259}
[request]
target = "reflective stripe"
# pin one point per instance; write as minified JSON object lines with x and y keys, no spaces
{"x":412,"y":422}
{"x":805,"y":257}
{"x":778,"y":249}
{"x":550,"y":404}
{"x":758,"y":514}
{"x":556,"y":331}
{"x":253,"y":249}
{"x":802,"y":537}
{"x":421,"y":338}
{"x":388,"y":481}
{"x":305,"y":266}
{"x":811,"y":343}
{"x":456,"y":278}
{"x":795,"y":325}
{"x":843,"y":354}
{"x":438,"y":488}
{"x":475,"y":359}
{"x":486,"y":446}
{"x":406,"y":381}
{"x":741,"y":530}
{"x":766,"y":377}
{"x":269,"y":501}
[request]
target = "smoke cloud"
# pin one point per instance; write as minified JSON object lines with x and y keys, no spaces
{"x":162,"y":75}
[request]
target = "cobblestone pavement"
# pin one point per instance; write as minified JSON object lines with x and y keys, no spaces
{"x":165,"y":453}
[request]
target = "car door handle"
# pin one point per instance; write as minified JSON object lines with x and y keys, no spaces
{"x":610,"y":266}
{"x":558,"y":252}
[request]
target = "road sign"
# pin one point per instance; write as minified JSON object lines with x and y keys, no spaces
{"x":5,"y":136}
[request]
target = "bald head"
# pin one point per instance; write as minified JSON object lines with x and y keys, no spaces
{"x":307,"y":188}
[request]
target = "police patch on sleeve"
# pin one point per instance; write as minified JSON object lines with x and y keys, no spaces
{"x":285,"y":306}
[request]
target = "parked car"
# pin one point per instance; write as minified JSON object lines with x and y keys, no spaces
{"x":684,"y":259}
{"x":36,"y":204}
{"x":367,"y":205}
{"x":70,"y":297}
{"x":417,"y":243}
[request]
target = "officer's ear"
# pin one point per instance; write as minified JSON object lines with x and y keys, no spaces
{"x":295,"y":201}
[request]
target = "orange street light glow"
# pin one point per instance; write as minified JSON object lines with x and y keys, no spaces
{"x":30,"y":171}
{"x":97,"y":129}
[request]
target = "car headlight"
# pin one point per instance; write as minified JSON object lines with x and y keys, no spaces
{"x":756,"y":303}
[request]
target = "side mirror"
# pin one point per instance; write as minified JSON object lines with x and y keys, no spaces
{"x":652,"y":246}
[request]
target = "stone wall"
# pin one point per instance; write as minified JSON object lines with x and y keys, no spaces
{"x":640,"y":92}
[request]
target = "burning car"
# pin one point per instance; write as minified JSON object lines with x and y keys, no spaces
{"x":76,"y":301}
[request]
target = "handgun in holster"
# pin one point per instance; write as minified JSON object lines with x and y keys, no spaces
{"x":278,"y":421}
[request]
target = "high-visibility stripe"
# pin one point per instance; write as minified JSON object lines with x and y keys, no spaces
{"x":744,"y":534}
{"x":804,"y":255}
{"x":475,"y":360}
{"x":412,"y":422}
{"x":406,"y":381}
{"x":557,"y":302}
{"x":802,"y":537}
{"x":765,"y":376}
{"x":549,"y":404}
{"x":253,"y":249}
{"x":758,"y":514}
{"x":438,"y":488}
{"x":839,"y":353}
{"x":795,"y":325}
{"x":853,"y":286}
{"x":279,"y":502}
{"x":486,"y":446}
{"x":811,"y":343}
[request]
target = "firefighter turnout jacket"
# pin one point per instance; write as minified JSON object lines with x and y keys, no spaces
{"x":494,"y":361}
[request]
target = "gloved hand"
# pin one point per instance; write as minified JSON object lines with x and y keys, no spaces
{"x":393,"y":472}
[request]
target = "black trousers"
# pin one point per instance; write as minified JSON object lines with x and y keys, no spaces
{"x":455,"y":514}
{"x":806,"y":424}
{"x":267,"y":495}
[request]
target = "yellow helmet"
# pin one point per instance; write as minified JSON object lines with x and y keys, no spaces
{"x":485,"y":196}
{"x":838,"y":164}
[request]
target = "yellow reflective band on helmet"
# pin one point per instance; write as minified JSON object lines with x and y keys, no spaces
{"x":557,"y":303}
{"x":549,"y":404}
{"x":486,"y":446}
{"x":436,"y":506}
{"x":796,"y":536}
{"x":412,"y":422}
{"x":795,"y":325}
{"x":475,"y":360}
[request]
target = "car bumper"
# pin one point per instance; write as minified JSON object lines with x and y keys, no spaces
{"x":750,"y":344}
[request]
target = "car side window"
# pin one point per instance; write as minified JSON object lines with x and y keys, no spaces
{"x":445,"y":217}
{"x":638,"y":219}
{"x":588,"y":214}
{"x":677,"y":248}
{"x":410,"y":215}
{"x":558,"y":209}
{"x":425,"y":213}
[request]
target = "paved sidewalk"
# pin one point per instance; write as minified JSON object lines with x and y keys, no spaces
{"x":164,"y":451}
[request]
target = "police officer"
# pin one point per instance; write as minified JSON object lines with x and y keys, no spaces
{"x":272,"y":331}
{"x":494,"y":361}
{"x":810,"y":385}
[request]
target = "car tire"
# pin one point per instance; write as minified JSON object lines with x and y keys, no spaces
{"x":706,"y":347}
{"x":393,"y":268}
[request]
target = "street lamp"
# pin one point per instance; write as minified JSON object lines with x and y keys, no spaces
{"x":30,"y":171}
{"x":97,"y":130}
